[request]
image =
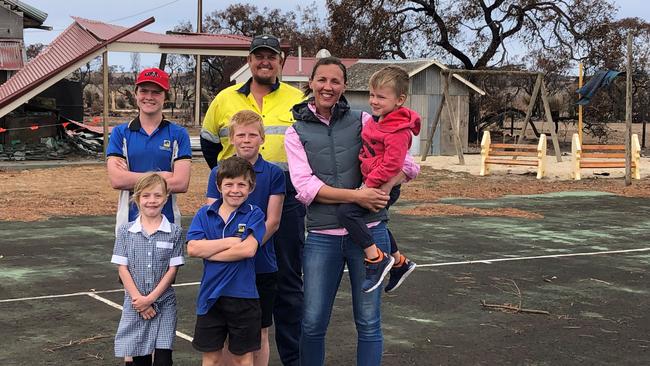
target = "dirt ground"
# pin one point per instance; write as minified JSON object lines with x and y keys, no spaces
{"x":38,"y":194}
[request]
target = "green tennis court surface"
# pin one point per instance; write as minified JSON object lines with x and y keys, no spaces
{"x":584,"y":262}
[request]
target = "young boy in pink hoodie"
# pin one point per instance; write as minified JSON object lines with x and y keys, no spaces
{"x":386,"y":140}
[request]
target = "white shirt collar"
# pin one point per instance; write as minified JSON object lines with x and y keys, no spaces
{"x":165,"y":226}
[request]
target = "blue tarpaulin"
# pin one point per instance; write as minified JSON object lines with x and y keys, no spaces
{"x":602,"y":78}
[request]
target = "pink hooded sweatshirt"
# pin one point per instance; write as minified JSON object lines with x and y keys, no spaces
{"x":385,"y":145}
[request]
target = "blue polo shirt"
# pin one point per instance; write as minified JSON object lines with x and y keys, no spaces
{"x":234,"y":279}
{"x":150,"y":153}
{"x":269,"y":180}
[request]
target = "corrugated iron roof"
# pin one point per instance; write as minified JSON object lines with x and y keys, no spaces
{"x":11,"y":55}
{"x":291,"y":65}
{"x":71,"y":47}
{"x":29,"y":11}
{"x":360,"y":72}
{"x":104,"y":31}
{"x":70,"y":44}
{"x":84,"y":38}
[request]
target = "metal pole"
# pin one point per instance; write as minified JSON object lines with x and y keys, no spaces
{"x":105,"y":92}
{"x":197,"y":83}
{"x":628,"y":114}
{"x":580,"y":106}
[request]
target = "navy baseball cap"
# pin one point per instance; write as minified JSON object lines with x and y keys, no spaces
{"x":266,"y":41}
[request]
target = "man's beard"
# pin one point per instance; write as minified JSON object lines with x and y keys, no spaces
{"x":264,"y":81}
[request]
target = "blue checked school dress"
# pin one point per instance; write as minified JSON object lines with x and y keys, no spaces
{"x":148,"y":258}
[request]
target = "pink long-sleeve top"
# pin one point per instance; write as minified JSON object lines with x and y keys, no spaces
{"x":305,"y":181}
{"x":386,"y":144}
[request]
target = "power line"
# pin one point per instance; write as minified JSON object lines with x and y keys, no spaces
{"x":115,"y":20}
{"x":144,"y":11}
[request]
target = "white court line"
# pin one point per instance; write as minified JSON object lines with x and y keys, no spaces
{"x":490,"y":261}
{"x":45,"y":297}
{"x":119,"y":307}
{"x":478,"y":261}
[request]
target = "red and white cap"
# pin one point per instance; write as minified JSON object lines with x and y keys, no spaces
{"x":153,"y":75}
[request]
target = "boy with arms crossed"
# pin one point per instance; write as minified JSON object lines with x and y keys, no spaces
{"x":226,"y":234}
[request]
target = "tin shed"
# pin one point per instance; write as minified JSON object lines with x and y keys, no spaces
{"x":425,"y":96}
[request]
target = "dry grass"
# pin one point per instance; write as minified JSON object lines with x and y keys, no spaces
{"x":38,"y":194}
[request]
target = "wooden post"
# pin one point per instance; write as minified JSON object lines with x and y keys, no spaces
{"x":435,"y":121}
{"x":580,"y":106}
{"x":549,"y":118}
{"x":485,"y":153}
{"x":628,"y":113}
{"x":636,"y":157}
{"x":541,"y":156}
{"x":531,"y":107}
{"x":576,"y":153}
{"x":106,"y":96}
{"x":452,"y":118}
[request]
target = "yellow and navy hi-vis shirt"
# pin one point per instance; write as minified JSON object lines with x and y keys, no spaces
{"x":276,"y":114}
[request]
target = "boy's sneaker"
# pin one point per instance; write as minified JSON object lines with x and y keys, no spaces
{"x":399,"y":274}
{"x":375,"y":272}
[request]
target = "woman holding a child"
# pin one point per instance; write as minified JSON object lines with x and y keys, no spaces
{"x":322,"y":150}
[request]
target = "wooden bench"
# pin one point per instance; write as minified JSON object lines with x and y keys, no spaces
{"x":604,"y":156}
{"x":508,"y":154}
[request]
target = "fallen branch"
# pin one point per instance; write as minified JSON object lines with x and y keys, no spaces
{"x":513,"y":308}
{"x":76,"y":343}
{"x":512,"y":289}
{"x":96,"y":356}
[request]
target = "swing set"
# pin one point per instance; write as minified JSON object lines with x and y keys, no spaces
{"x":584,"y":156}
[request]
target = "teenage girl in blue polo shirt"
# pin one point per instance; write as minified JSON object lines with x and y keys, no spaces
{"x":246,"y":131}
{"x":149,"y":143}
{"x":226,"y":235}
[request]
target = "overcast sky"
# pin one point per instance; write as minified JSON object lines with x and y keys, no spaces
{"x":169,"y":13}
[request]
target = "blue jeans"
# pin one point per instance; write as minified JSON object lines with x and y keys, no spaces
{"x":324,"y":259}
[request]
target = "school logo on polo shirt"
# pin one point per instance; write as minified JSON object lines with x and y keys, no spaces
{"x":241,"y":229}
{"x":166,"y":145}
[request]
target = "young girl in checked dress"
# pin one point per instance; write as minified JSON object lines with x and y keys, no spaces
{"x":148,"y":251}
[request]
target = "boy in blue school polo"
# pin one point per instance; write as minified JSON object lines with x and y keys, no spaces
{"x":246,"y":132}
{"x":226,"y":234}
{"x":149,"y":143}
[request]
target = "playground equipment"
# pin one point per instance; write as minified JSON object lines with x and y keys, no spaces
{"x":538,"y":90}
{"x":604,"y":156}
{"x":507,"y":154}
{"x":611,"y":156}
